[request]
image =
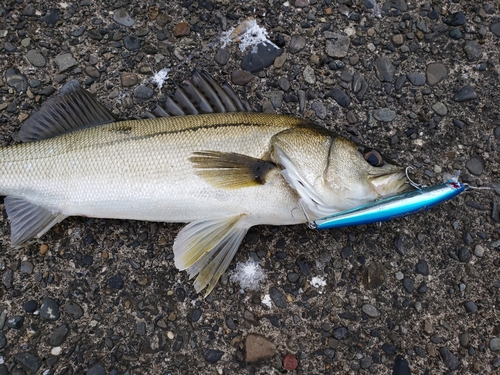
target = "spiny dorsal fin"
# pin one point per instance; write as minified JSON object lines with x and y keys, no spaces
{"x":230,"y":170}
{"x":201,"y":94}
{"x":206,"y":247}
{"x":73,"y":109}
{"x":28,"y":220}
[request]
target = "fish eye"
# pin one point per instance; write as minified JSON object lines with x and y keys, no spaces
{"x":374,"y":158}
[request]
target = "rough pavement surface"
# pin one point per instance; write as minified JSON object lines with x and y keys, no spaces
{"x":417,"y":79}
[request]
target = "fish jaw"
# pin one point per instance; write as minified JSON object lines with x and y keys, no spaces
{"x":389,"y":184}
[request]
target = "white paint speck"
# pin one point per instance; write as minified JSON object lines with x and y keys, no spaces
{"x":318,"y":282}
{"x":247,"y":34}
{"x":267,"y":300}
{"x":249,"y":274}
{"x":160,"y":77}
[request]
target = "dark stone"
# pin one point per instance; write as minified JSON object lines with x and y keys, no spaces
{"x":297,"y":43}
{"x":212,"y":355}
{"x":260,"y":57}
{"x":473,"y":50}
{"x":470,"y":307}
{"x":195,"y":315}
{"x":465,"y":94}
{"x":94,"y":34}
{"x":241,"y":77}
{"x":373,"y":276}
{"x":449,"y":360}
{"x":422,"y":267}
{"x":339,"y":333}
{"x":73,"y":309}
{"x":141,"y":328}
{"x":455,"y":19}
{"x":143,"y":92}
{"x":30,"y":306}
{"x":389,"y":349}
{"x":455,"y":33}
{"x":49,"y":309}
{"x":495,"y":29}
{"x":16,"y":322}
{"x":399,"y":243}
{"x":51,"y":18}
{"x":346,"y":252}
{"x":400,"y":81}
{"x":409,"y":284}
{"x":496,"y":132}
{"x":293,"y":277}
{"x":132,"y":43}
{"x":458,"y":123}
{"x":222,"y":56}
{"x":384,"y":69}
{"x":278,"y":298}
{"x":59,"y":335}
{"x":401,"y":366}
{"x":340,"y":97}
{"x":417,"y":79}
{"x":303,"y":265}
{"x":475,"y":165}
{"x":3,"y":340}
{"x":16,"y":79}
{"x":116,"y":282}
{"x":96,"y":370}
{"x":464,"y":255}
{"x":28,"y":361}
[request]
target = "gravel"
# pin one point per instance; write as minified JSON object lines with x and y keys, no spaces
{"x":415,"y":80}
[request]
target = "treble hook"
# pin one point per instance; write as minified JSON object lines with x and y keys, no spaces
{"x":311,"y":224}
{"x":413,"y":183}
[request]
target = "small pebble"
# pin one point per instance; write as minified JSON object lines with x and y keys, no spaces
{"x":65,"y":62}
{"x":181,"y":29}
{"x":384,"y":115}
{"x":465,"y":94}
{"x":49,"y":310}
{"x":143,"y":92}
{"x":123,"y":18}
{"x":440,"y":108}
{"x":35,"y":58}
{"x":422,"y":267}
{"x":212,"y":355}
{"x":28,"y":361}
{"x":290,"y":363}
{"x":370,"y":310}
{"x":417,"y":79}
{"x":475,"y":165}
{"x":495,"y":344}
{"x":297,"y":43}
{"x":471,"y":307}
{"x":479,"y":251}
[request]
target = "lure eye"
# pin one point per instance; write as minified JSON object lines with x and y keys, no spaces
{"x":374,"y":158}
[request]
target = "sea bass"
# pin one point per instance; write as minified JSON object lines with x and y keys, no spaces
{"x":222,"y":172}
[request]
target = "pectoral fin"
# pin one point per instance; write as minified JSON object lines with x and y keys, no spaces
{"x":28,"y":220}
{"x":230,"y":170}
{"x":206,"y":247}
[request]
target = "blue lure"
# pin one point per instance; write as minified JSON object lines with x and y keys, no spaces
{"x":393,"y":207}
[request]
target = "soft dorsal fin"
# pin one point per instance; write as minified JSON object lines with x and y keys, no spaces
{"x":201,"y":94}
{"x":73,"y":109}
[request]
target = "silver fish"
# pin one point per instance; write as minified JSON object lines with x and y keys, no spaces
{"x":221,"y":172}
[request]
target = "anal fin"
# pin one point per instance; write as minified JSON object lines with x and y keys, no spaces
{"x":231,"y":170}
{"x":206,"y":247}
{"x":28,"y":220}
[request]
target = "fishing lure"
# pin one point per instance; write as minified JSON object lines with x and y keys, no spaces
{"x":393,"y":207}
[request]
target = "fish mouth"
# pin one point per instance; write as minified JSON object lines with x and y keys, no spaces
{"x":390,"y":183}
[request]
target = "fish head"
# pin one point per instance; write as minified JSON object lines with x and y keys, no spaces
{"x":332,"y":173}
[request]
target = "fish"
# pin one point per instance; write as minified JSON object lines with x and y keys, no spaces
{"x":202,"y":158}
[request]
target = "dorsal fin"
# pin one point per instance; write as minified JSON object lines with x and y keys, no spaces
{"x":73,"y":109}
{"x":201,"y":94}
